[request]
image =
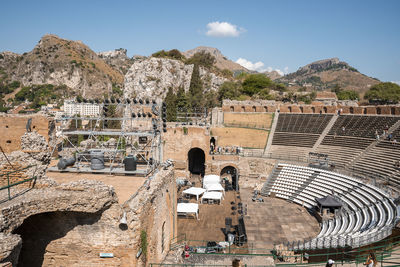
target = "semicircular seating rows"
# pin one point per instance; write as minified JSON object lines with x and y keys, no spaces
{"x":368,"y":214}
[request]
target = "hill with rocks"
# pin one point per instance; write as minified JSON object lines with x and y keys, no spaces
{"x":328,"y":73}
{"x":59,"y":61}
{"x":221,"y":62}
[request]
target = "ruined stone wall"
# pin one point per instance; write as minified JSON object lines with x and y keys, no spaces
{"x":315,"y":107}
{"x":177,"y":142}
{"x":153,"y":211}
{"x":12,"y":127}
{"x":71,"y":224}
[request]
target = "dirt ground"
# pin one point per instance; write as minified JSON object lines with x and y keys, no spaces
{"x":124,"y":186}
{"x":258,"y":120}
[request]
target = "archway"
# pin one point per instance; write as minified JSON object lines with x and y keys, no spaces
{"x":43,"y":231}
{"x":351,"y":110}
{"x":392,"y":111}
{"x":243,"y":109}
{"x":378,"y":111}
{"x":254,"y":108}
{"x":325,"y":110}
{"x":196,"y":160}
{"x":232,"y":108}
{"x":233,"y":177}
{"x":313,"y":109}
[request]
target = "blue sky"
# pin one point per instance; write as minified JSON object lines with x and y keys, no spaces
{"x":281,"y":35}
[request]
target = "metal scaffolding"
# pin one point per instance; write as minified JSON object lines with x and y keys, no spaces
{"x":136,"y":133}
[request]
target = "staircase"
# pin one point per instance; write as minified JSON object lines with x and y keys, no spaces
{"x":325,"y":132}
{"x":271,"y":132}
{"x":304,"y":185}
{"x":270,"y":181}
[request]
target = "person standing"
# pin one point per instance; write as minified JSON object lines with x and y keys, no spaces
{"x":371,"y":260}
{"x":330,"y":263}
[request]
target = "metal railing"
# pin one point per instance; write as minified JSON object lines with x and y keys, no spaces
{"x":10,"y":185}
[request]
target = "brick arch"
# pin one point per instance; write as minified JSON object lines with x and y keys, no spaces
{"x":221,"y":167}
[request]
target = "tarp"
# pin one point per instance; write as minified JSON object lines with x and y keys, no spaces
{"x":328,"y":202}
{"x":188,"y":208}
{"x":214,"y":187}
{"x":212,"y":195}
{"x":196,"y":191}
{"x":211,"y":179}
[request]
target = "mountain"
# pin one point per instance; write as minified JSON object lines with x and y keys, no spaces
{"x":59,"y":61}
{"x":221,"y":61}
{"x":325,"y":74}
{"x":117,"y":59}
{"x":151,"y":77}
{"x":273,"y":75}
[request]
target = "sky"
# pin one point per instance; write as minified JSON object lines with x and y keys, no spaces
{"x":262,"y":35}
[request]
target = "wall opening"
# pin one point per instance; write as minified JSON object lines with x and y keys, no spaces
{"x":265,"y":109}
{"x":325,"y":110}
{"x":301,"y":109}
{"x":243,"y":109}
{"x":196,"y":159}
{"x":290,"y":109}
{"x":392,"y":111}
{"x":232,"y":175}
{"x":313,"y":109}
{"x":378,"y":111}
{"x":38,"y":231}
{"x":232,"y":108}
{"x":364,"y":111}
{"x":8,"y":141}
{"x":254,"y":109}
{"x":351,"y":110}
{"x":212,"y":144}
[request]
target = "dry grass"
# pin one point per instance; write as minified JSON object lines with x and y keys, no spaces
{"x":256,"y":120}
{"x":242,"y":137}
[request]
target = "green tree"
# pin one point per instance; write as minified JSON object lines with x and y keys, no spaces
{"x":254,"y":83}
{"x":210,"y":99}
{"x":170,"y":101}
{"x":202,"y":58}
{"x":348,"y":95}
{"x":229,"y":90}
{"x":182,"y":101}
{"x":196,"y":89}
{"x":385,"y":92}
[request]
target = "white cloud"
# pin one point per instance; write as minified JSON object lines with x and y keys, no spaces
{"x":223,"y":29}
{"x":398,"y":82}
{"x":259,"y":66}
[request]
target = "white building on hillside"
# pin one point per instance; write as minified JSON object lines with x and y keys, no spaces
{"x":72,"y":108}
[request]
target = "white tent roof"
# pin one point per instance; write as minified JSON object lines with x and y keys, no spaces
{"x":194,"y":191}
{"x":212,"y":195}
{"x":211,"y":179}
{"x":187,"y":208}
{"x":214,"y":187}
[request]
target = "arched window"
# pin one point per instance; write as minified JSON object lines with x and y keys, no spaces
{"x":365,"y":111}
{"x":325,"y":110}
{"x":254,"y":109}
{"x":351,"y":110}
{"x":313,"y":109}
{"x":232,"y":108}
{"x":392,"y":111}
{"x":265,"y":109}
{"x":290,"y":109}
{"x":378,"y":110}
{"x":301,"y":109}
{"x":243,"y":109}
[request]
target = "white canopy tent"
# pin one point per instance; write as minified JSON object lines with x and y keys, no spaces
{"x":211,"y":179}
{"x":215,"y":187}
{"x":195,"y":191}
{"x":212,"y":195}
{"x":188,"y":208}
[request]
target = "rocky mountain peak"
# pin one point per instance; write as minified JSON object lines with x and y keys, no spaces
{"x":321,"y":64}
{"x":221,"y":61}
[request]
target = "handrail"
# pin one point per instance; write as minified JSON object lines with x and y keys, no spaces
{"x":8,"y":186}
